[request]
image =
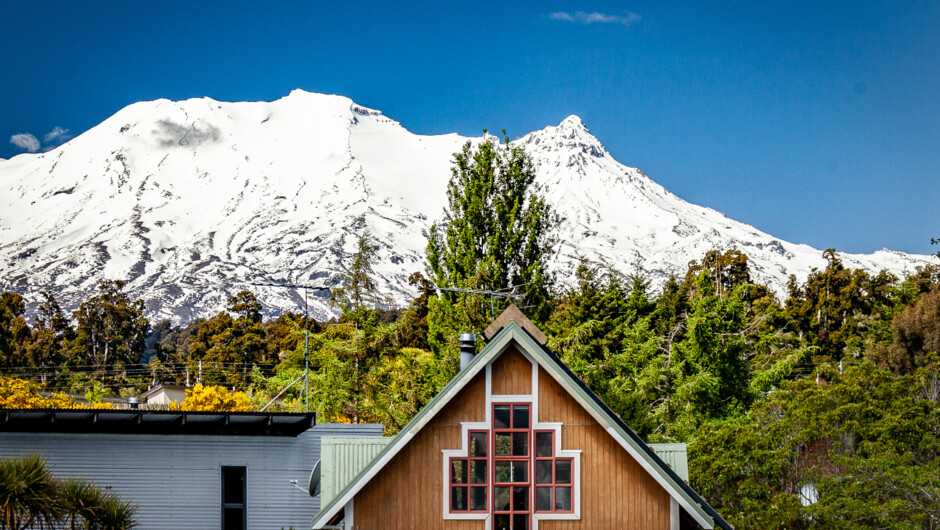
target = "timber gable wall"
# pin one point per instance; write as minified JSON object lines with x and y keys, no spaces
{"x":615,"y":491}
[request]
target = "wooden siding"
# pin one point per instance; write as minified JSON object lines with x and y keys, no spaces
{"x":408,"y":491}
{"x":512,"y":374}
{"x":615,"y":491}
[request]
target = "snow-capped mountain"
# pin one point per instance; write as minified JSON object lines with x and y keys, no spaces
{"x":193,"y":201}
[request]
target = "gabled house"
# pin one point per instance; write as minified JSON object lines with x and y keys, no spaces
{"x":516,"y":441}
{"x":164,"y":395}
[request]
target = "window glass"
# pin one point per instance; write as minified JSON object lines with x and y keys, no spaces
{"x":543,"y":499}
{"x":503,"y":444}
{"x":514,"y":471}
{"x":563,"y":472}
{"x":543,"y":471}
{"x":478,"y":444}
{"x":233,"y":498}
{"x":233,"y":485}
{"x":503,"y":471}
{"x":478,"y":471}
{"x":563,"y":499}
{"x":458,"y":499}
{"x":543,"y":444}
{"x":520,"y":417}
{"x":478,"y":499}
{"x":520,"y":443}
{"x":459,"y":473}
{"x":502,"y":521}
{"x":234,"y":519}
{"x":520,"y":521}
{"x":501,"y":416}
{"x":520,"y":498}
{"x":501,"y":499}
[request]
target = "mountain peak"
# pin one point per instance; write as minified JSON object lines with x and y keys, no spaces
{"x":570,"y":134}
{"x":572,"y":122}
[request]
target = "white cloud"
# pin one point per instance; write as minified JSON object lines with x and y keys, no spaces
{"x":57,"y":135}
{"x":626,"y":20}
{"x":29,"y":143}
{"x":25,"y":141}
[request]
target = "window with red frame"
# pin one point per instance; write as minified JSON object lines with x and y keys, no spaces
{"x":553,"y":476}
{"x":468,"y":477}
{"x":512,"y":461}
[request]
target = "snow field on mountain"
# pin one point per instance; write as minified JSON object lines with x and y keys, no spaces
{"x":193,"y":201}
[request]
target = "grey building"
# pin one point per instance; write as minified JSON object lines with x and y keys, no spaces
{"x":185,"y":469}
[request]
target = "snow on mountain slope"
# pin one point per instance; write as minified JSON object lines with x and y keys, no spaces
{"x":193,"y":201}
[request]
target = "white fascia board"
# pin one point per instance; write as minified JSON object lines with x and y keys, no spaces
{"x":627,"y":443}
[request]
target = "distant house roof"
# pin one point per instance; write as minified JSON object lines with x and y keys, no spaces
{"x":501,"y":339}
{"x":155,"y":422}
{"x":162,"y":388}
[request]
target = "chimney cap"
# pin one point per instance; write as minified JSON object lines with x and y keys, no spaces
{"x":468,"y":337}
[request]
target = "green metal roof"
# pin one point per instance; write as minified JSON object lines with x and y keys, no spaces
{"x":675,"y":456}
{"x":513,"y":333}
{"x":341,"y":461}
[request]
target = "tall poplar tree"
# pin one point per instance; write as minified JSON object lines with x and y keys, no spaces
{"x":498,"y":232}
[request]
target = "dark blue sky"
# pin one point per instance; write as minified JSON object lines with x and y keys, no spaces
{"x":818,"y":122}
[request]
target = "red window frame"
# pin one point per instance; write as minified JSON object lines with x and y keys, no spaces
{"x":470,"y":484}
{"x":554,"y":485}
{"x":513,"y":485}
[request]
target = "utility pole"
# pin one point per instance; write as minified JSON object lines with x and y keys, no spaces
{"x":306,"y":376}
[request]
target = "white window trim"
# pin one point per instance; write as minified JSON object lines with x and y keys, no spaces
{"x":349,"y":516}
{"x":487,"y":425}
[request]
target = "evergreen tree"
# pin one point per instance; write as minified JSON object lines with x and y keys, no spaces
{"x":725,"y":269}
{"x":48,"y":346}
{"x":231,"y":342}
{"x":498,"y":232}
{"x":111,"y":328}
{"x":14,"y":332}
{"x":358,"y":283}
{"x":827,"y":309}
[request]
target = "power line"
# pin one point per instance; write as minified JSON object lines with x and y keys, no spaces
{"x":306,"y":375}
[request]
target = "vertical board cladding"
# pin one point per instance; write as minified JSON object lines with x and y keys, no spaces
{"x":512,"y":374}
{"x":408,"y":491}
{"x":176,"y":479}
{"x":616,"y":492}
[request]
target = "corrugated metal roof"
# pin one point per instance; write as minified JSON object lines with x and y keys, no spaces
{"x":342,"y":459}
{"x":675,"y":456}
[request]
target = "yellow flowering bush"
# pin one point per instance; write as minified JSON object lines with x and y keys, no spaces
{"x":19,"y":394}
{"x":216,"y":399}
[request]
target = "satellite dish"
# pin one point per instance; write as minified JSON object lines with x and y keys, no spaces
{"x":313,"y":485}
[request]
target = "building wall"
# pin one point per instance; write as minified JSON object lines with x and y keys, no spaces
{"x":615,"y":491}
{"x":176,"y":479}
{"x":407,"y":493}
